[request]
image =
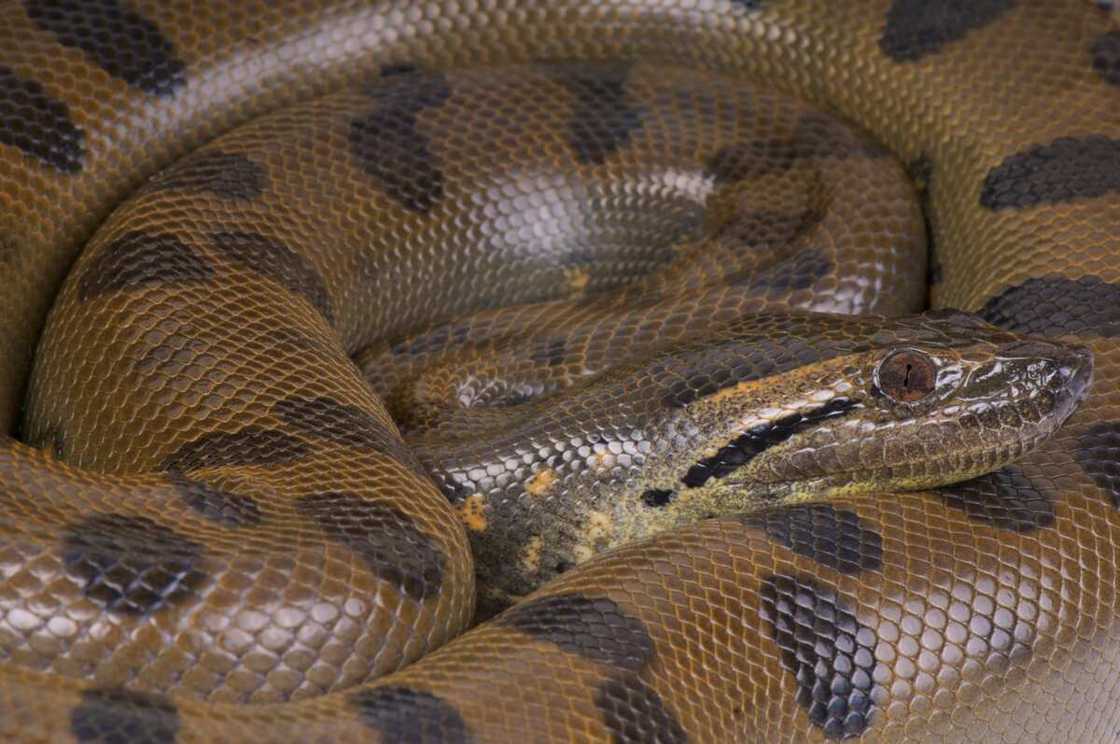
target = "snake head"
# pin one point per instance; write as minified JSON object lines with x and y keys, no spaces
{"x":904,"y":404}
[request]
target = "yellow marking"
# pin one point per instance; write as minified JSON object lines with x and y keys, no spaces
{"x":473,"y":512}
{"x":539,"y":484}
{"x":601,"y":461}
{"x":597,"y":531}
{"x":531,"y":555}
{"x":578,"y":278}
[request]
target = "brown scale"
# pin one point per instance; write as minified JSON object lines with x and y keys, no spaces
{"x":215,"y":357}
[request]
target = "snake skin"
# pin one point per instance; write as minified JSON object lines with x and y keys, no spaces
{"x":210,"y":504}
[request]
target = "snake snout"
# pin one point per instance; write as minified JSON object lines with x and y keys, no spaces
{"x":1069,"y":369}
{"x":1075,"y":369}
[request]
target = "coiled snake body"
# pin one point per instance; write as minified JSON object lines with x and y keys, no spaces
{"x":210,"y":507}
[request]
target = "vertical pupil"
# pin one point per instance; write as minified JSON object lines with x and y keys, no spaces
{"x":906,"y":380}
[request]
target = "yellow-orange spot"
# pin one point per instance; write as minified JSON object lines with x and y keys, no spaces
{"x":473,"y":512}
{"x":596,"y":536}
{"x":578,"y":279}
{"x":531,"y":555}
{"x":541,"y":482}
{"x":601,"y":461}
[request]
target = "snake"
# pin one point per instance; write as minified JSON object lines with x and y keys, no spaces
{"x":491,"y":370}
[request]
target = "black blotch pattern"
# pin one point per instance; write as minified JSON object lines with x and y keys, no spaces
{"x":764,"y":228}
{"x":386,"y":539}
{"x":757,"y":440}
{"x":226,"y":175}
{"x":602,"y":120}
{"x":1098,"y":454}
{"x":816,"y":136}
{"x":833,"y":537}
{"x":1005,"y":499}
{"x":273,"y":260}
{"x":389,"y":146}
{"x":39,"y":125}
{"x":432,"y":341}
{"x":216,"y":504}
{"x":800,"y":271}
{"x":132,"y":565}
{"x":1106,"y":57}
{"x":831,"y":655}
{"x":919,"y":28}
{"x":1057,"y":305}
{"x":138,"y":259}
{"x":402,"y":714}
{"x":1066,"y":169}
{"x":252,"y":445}
{"x":658,"y":497}
{"x":331,"y":420}
{"x":552,"y":352}
{"x":723,"y":365}
{"x":120,"y":41}
{"x":120,"y":716}
{"x":633,"y":712}
{"x":595,"y":628}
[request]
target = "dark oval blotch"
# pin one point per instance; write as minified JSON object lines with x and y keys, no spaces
{"x":132,"y":565}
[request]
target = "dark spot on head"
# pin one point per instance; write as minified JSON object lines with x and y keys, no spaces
{"x":1005,"y":499}
{"x":138,"y":259}
{"x":402,"y":714}
{"x":226,"y":175}
{"x":119,"y":40}
{"x":215,"y":503}
{"x":119,"y":716}
{"x":1066,"y":169}
{"x":834,"y":537}
{"x":386,"y":539}
{"x":132,"y":565}
{"x":602,"y":120}
{"x":37,"y":124}
{"x":830,"y":654}
{"x":252,"y":445}
{"x":919,"y":28}
{"x":745,"y":447}
{"x":433,"y":341}
{"x":1055,"y":305}
{"x":328,"y":419}
{"x":273,"y":260}
{"x":723,"y":365}
{"x":633,"y":712}
{"x":1106,"y":57}
{"x":595,"y":628}
{"x":389,"y":146}
{"x":1098,"y":454}
{"x":657,"y":497}
{"x":552,"y":352}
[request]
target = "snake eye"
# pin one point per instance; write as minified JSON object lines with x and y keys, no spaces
{"x":907,"y":375}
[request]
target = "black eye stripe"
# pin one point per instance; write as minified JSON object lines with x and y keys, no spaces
{"x":754,"y":442}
